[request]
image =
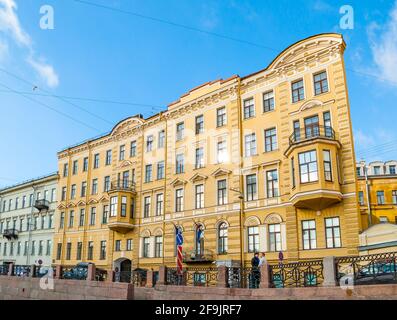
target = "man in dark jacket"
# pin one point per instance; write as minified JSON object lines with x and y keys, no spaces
{"x":255,"y":274}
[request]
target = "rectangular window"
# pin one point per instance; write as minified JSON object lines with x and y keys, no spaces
{"x":133,"y":149}
{"x":59,"y":250}
{"x":251,"y":187}
{"x":221,"y":151}
{"x":106,"y":184}
{"x":361,"y":198}
{"x":377,"y":170}
{"x":249,"y":108}
{"x":392,"y":170}
{"x":108,"y":161}
{"x":75,"y":167}
{"x":103,"y":250}
{"x":68,"y":250}
{"x":380,"y":197}
{"x":222,"y":192}
{"x":73,"y":192}
{"x":312,"y":127}
{"x":268,"y":101}
{"x":308,"y":166}
{"x":199,"y":194}
{"x":122,"y":152}
{"x":161,"y":142}
{"x":332,"y":232}
{"x":180,"y":128}
{"x":272,"y":184}
{"x":146,"y":206}
{"x":123,"y":211}
{"x":94,"y":186}
{"x":320,"y":83}
{"x":129,"y":245}
{"x":149,"y":143}
{"x":298,"y":91}
{"x":270,"y":139}
{"x":293,"y":172}
{"x":158,"y":246}
{"x":275,"y":237}
{"x":394,"y":196}
{"x":146,"y":246}
{"x":250,"y":145}
{"x":179,"y":200}
{"x":113,"y":206}
{"x":105,"y":214}
{"x":90,"y":251}
{"x":148,"y":173}
{"x":253,"y":239}
{"x":221,"y":117}
{"x":83,"y":188}
{"x":160,"y":170}
{"x":82,"y":217}
{"x":93,"y":216}
{"x":117,"y":245}
{"x":61,"y":221}
{"x":19,"y":247}
{"x":79,"y":250}
{"x":48,"y":248}
{"x":327,"y":125}
{"x":96,"y":161}
{"x":159,"y":204}
{"x":71,"y":218}
{"x":382,"y":219}
{"x":50,"y":221}
{"x":199,"y":124}
{"x":327,"y":165}
{"x":65,"y":170}
{"x":85,"y":164}
{"x":309,"y":234}
{"x":63,"y":196}
{"x":199,"y":158}
{"x":180,"y":165}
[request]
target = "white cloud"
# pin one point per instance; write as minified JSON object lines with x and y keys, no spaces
{"x":46,"y":71}
{"x":11,"y":27}
{"x":383,"y":43}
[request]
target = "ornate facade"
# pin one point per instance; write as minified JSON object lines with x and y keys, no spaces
{"x":263,"y":162}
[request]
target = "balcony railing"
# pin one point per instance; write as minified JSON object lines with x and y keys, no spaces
{"x":122,"y":185}
{"x":42,"y":204}
{"x":10,"y":234}
{"x":311,"y":132}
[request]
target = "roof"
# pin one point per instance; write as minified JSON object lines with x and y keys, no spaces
{"x":40,"y":179}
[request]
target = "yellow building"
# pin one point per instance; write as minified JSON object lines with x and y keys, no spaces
{"x":377,"y":192}
{"x":263,"y":162}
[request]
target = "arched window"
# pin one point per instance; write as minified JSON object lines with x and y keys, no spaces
{"x":222,"y":238}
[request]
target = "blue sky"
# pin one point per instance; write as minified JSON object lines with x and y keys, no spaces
{"x":102,"y":54}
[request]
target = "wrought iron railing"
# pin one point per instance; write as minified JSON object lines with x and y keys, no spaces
{"x":41,"y":271}
{"x":139,"y":278}
{"x":123,"y":276}
{"x":248,"y":277}
{"x":312,"y":132}
{"x":195,"y":257}
{"x":122,"y":185}
{"x":42,"y":204}
{"x":298,"y":274}
{"x":101,"y":275}
{"x":74,"y":273}
{"x":10,"y":234}
{"x":21,"y":271}
{"x":3,"y":269}
{"x":198,"y":277}
{"x":369,"y":269}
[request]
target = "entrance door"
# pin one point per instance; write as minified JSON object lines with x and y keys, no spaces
{"x":125,"y":271}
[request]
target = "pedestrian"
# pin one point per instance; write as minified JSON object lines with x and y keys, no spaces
{"x":262,"y":259}
{"x":255,"y":274}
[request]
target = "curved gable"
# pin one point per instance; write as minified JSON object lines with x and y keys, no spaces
{"x":128,"y":124}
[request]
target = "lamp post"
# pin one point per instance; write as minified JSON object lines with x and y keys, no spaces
{"x":241,"y":198}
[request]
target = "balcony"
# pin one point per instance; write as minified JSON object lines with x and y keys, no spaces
{"x":10,"y":234}
{"x":120,"y":225}
{"x":42,"y":204}
{"x":122,"y":186}
{"x":193,"y":257}
{"x":311,"y":132}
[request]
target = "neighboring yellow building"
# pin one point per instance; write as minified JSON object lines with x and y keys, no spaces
{"x":379,"y":181}
{"x":259,"y":163}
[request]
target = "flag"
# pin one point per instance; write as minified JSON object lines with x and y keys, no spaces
{"x":179,"y":243}
{"x":200,"y":234}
